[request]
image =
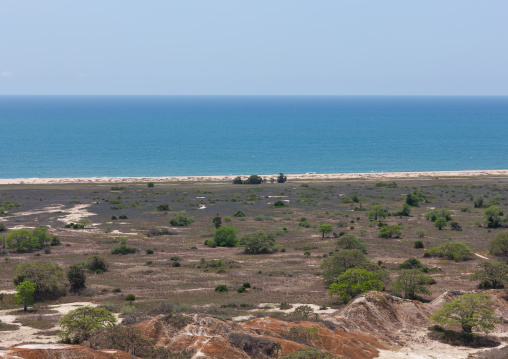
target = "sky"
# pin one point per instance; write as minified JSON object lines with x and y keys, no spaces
{"x":262,"y":47}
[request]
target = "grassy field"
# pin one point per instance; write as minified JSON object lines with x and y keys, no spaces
{"x":291,"y":274}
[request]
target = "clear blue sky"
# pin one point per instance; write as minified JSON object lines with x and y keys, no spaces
{"x":262,"y":47}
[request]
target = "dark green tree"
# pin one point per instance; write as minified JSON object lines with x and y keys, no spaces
{"x":257,"y":242}
{"x":492,"y":216}
{"x":77,"y":278}
{"x":254,"y":179}
{"x":412,"y":282}
{"x":281,"y":178}
{"x":377,"y":212}
{"x":217,"y":221}
{"x":499,"y":245}
{"x":491,"y":274}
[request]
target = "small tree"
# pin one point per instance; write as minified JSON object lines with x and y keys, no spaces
{"x":440,"y":223}
{"x":257,"y":242}
{"x":325,"y":228}
{"x":499,"y":245}
{"x":281,"y":178}
{"x":25,"y":295}
{"x":130,"y":298}
{"x":22,"y":240}
{"x":469,"y":311}
{"x":412,"y":282}
{"x":217,"y":221}
{"x":390,"y":231}
{"x":478,"y":202}
{"x":96,"y":263}
{"x":339,"y":262}
{"x":405,"y":211}
{"x":377,"y":212}
{"x":86,"y":222}
{"x":492,"y":216}
{"x":353,"y":282}
{"x":77,"y":278}
{"x":491,"y":274}
{"x":225,"y":236}
{"x":49,"y":278}
{"x":350,"y":241}
{"x":80,"y":323}
{"x":41,"y":236}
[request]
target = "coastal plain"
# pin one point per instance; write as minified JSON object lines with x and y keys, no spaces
{"x":291,"y":274}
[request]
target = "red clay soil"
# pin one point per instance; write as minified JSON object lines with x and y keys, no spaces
{"x":218,"y":339}
{"x":60,"y":351}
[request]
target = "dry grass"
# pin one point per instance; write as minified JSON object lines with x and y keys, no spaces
{"x":285,"y":276}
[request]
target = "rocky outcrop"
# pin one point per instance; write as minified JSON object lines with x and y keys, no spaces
{"x":59,"y":351}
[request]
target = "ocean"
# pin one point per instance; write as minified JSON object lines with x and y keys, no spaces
{"x":96,"y":136}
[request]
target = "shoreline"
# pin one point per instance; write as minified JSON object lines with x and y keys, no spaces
{"x":226,"y":178}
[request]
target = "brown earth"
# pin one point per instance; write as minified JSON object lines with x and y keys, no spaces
{"x":59,"y":351}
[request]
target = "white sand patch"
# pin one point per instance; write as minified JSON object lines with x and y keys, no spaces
{"x":116,"y":231}
{"x":243,"y":318}
{"x":479,"y":255}
{"x":43,"y":346}
{"x":202,"y":207}
{"x":76,"y":213}
{"x":315,"y":308}
{"x":307,"y":176}
{"x":8,"y":291}
{"x":21,"y":227}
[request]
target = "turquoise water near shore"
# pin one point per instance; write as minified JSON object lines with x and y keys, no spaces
{"x":93,"y":136}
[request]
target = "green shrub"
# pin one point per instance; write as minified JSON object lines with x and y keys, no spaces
{"x":241,"y":289}
{"x":95,"y":263}
{"x":163,"y":207}
{"x":411,"y":263}
{"x":181,"y":220}
{"x":123,"y":249}
{"x":419,"y":244}
{"x":123,"y":216}
{"x":499,"y":245}
{"x":150,"y":184}
{"x":225,"y":236}
{"x":279,"y":204}
{"x":452,"y":250}
{"x":239,"y":214}
{"x":390,"y":231}
{"x":221,"y":288}
{"x":257,"y":242}
{"x":435,"y":214}
{"x":130,"y":298}
{"x":421,"y":233}
{"x":149,"y":251}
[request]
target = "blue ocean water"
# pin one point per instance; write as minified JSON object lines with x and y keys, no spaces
{"x":89,"y":136}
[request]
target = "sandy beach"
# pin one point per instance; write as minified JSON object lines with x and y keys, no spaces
{"x":304,"y":176}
